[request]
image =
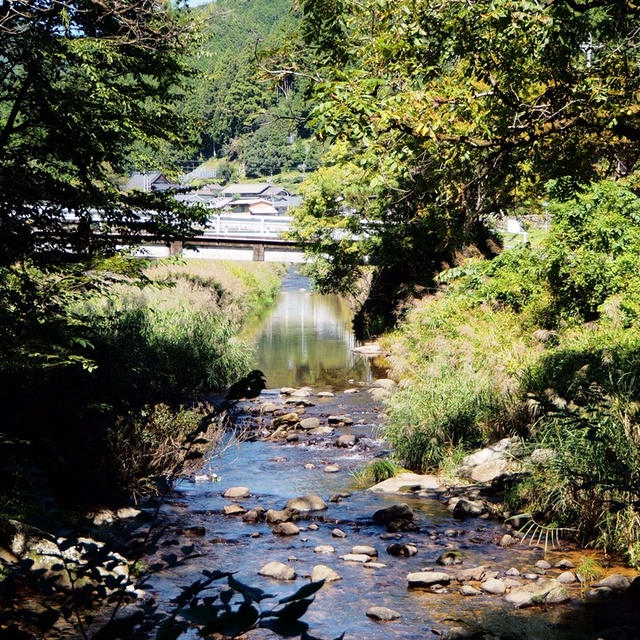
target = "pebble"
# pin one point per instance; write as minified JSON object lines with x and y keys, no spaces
{"x":512,"y":572}
{"x":338,"y":533}
{"x":543,"y":564}
{"x":427,"y":578}
{"x":331,"y":468}
{"x":313,"y":527}
{"x":324,"y":548}
{"x":564,"y":564}
{"x":374,"y":565}
{"x":468,"y":590}
{"x":507,"y":540}
{"x":309,"y":465}
{"x":232,"y":509}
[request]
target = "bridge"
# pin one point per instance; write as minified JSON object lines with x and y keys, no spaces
{"x":232,"y":237}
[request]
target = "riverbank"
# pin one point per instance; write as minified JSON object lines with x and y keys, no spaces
{"x":541,"y":343}
{"x":102,"y":422}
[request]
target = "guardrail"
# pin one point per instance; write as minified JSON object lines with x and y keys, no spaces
{"x":248,"y":226}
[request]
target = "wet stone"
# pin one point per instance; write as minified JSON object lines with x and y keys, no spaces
{"x":615,"y":582}
{"x":338,"y":533}
{"x":237,"y":493}
{"x":355,"y":557}
{"x":402,"y":550}
{"x":324,"y":548}
{"x":313,"y":527}
{"x":374,"y":565}
{"x":365,"y":549}
{"x":450,"y":557}
{"x":382,"y":614}
{"x":346,"y":441}
{"x":331,"y":468}
{"x":308,"y":502}
{"x":323,"y":572}
{"x":285,"y":529}
{"x":468,"y":590}
{"x":232,"y":510}
{"x":420,"y":579}
{"x":309,"y":423}
{"x":278,"y":571}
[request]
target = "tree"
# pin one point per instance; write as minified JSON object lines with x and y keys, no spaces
{"x":455,"y":111}
{"x":82,"y":82}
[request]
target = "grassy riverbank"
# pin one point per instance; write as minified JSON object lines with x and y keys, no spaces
{"x":109,"y":413}
{"x":544,"y":343}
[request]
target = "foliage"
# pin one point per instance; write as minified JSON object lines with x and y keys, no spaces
{"x":83,"y":83}
{"x":525,"y":343}
{"x":454,"y":112}
{"x":375,"y":472}
{"x":99,"y":360}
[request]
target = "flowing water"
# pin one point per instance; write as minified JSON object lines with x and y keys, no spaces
{"x":307,"y":341}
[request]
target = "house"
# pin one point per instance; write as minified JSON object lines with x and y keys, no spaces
{"x":146,"y":182}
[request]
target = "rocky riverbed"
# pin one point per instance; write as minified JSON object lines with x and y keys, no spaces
{"x":413,"y":557}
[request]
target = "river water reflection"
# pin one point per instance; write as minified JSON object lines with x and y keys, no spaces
{"x":307,"y":340}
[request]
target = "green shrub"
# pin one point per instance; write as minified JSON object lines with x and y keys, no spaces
{"x":375,"y":472}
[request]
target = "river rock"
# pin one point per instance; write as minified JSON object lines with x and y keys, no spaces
{"x":379,"y":394}
{"x":368,"y":349}
{"x":286,"y":391}
{"x":269,"y":407}
{"x":237,"y":493}
{"x":325,"y":394}
{"x":306,"y":503}
{"x":299,"y":402}
{"x":382,"y":614}
{"x":416,"y":481}
{"x":292,"y":437}
{"x":278,"y":571}
{"x":285,"y":529}
{"x":341,"y":419}
{"x":309,"y":423}
{"x":494,"y":586}
{"x":507,"y":540}
{"x":468,"y":590}
{"x":567,"y":577}
{"x":393,"y":513}
{"x":365,"y":549}
{"x":322,"y":572}
{"x":450,"y":557}
{"x":512,"y":572}
{"x":536,"y":593}
{"x":232,"y":510}
{"x":324,"y":548}
{"x":331,"y":468}
{"x":402,"y":550}
{"x":322,"y":431}
{"x":615,"y":582}
{"x":472,"y":574}
{"x":374,"y":565}
{"x":463,"y":508}
{"x":338,"y":533}
{"x":303,"y":392}
{"x":128,"y":513}
{"x":313,"y":527}
{"x":284,"y":515}
{"x":346,"y":441}
{"x":564,"y":564}
{"x":288,"y":419}
{"x":543,"y":564}
{"x":420,"y":579}
{"x":361,"y":558}
{"x":348,"y":391}
{"x":253,"y":515}
{"x":102,"y":517}
{"x":384,"y":383}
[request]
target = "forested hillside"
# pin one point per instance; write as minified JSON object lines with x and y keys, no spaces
{"x":250,"y":115}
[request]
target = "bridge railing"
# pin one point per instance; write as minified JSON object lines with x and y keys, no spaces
{"x":248,"y":226}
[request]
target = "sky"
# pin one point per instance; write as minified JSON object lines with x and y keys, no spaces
{"x":195,"y":3}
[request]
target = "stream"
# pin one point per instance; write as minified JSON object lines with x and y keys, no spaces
{"x":307,"y":340}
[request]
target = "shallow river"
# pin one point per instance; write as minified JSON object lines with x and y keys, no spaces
{"x":307,"y":341}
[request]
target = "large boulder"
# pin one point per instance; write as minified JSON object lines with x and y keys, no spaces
{"x":309,"y":502}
